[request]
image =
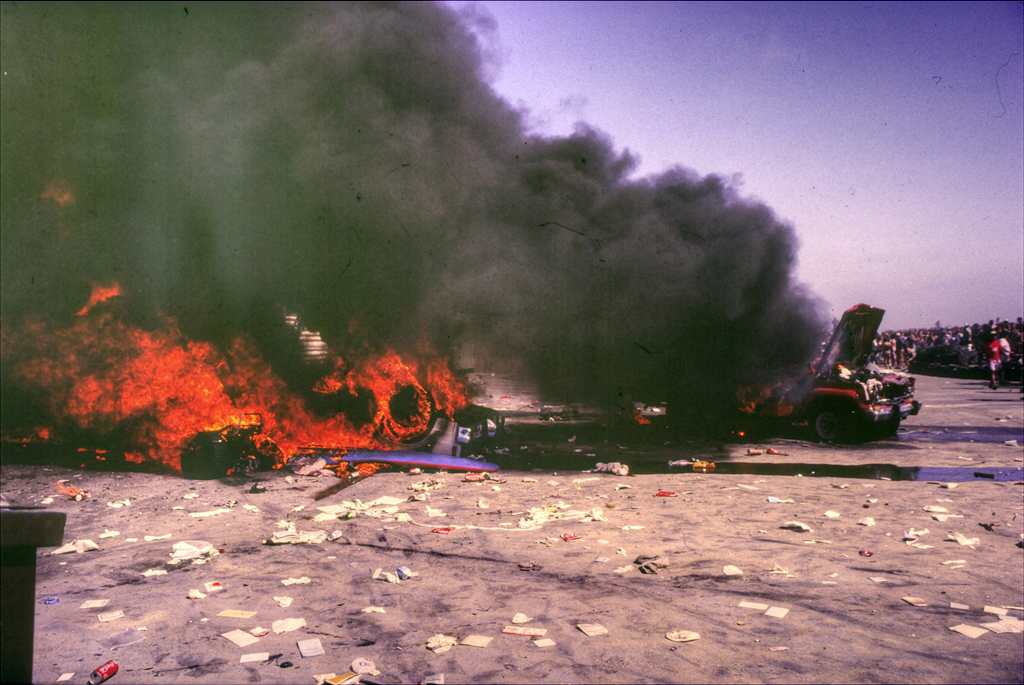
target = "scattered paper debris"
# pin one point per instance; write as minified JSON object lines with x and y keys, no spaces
{"x":195,"y":594}
{"x":544,"y":642}
{"x":964,"y":540}
{"x":311,"y":647}
{"x":109,"y":534}
{"x":65,"y":676}
{"x":732,"y":571}
{"x":240,"y":637}
{"x":832,"y":514}
{"x":254,"y":656}
{"x":529,"y":632}
{"x":970,"y":631}
{"x":866,"y":521}
{"x":961,"y":607}
{"x":682,"y":636}
{"x":213,"y":586}
{"x":94,"y":603}
{"x":999,"y":611}
{"x":477,"y":640}
{"x":592,"y":629}
{"x":110,"y":616}
{"x":296,"y":581}
{"x":778,"y":649}
{"x":286,"y":625}
{"x":796,"y":525}
{"x":373,"y":610}
{"x":777,"y":612}
{"x":212,"y":512}
{"x":77,"y":547}
{"x":439,"y":644}
{"x":151,"y":538}
{"x":521,"y":618}
{"x":154,"y":572}
{"x":284,"y":602}
{"x":915,"y":601}
{"x":237,"y":613}
{"x":259,"y":631}
{"x":753,"y":605}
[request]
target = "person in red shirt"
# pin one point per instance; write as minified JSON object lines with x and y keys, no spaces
{"x":992,"y":353}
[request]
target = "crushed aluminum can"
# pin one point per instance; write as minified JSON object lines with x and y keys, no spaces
{"x":103,"y":672}
{"x":442,"y":531}
{"x":569,"y":537}
{"x":866,"y":553}
{"x":666,"y":493}
{"x":50,"y":600}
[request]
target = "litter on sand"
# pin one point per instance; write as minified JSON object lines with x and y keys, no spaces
{"x":477,"y":640}
{"x":778,"y":649}
{"x":373,"y":610}
{"x":777,"y":612}
{"x":544,"y":642}
{"x":796,"y":525}
{"x":521,"y":618}
{"x":254,"y":656}
{"x":915,"y":601}
{"x":295,"y":581}
{"x":999,"y":611}
{"x":94,"y":603}
{"x":440,"y":644}
{"x":287,"y":625}
{"x":732,"y":571}
{"x":682,"y":636}
{"x":970,"y":631}
{"x":111,"y":616}
{"x":237,"y":613}
{"x":957,"y":605}
{"x":592,"y":629}
{"x":310,"y":647}
{"x":76,"y":546}
{"x":528,"y":632}
{"x":754,"y":605}
{"x":964,"y":540}
{"x":240,"y":637}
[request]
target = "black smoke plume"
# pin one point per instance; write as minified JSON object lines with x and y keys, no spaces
{"x":351,"y":163}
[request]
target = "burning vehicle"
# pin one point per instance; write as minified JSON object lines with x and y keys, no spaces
{"x":844,"y":397}
{"x":241,"y":446}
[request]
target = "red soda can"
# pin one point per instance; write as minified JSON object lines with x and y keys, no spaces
{"x":103,"y":672}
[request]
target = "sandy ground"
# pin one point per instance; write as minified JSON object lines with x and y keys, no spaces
{"x":847,"y":620}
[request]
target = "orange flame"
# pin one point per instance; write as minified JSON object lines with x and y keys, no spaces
{"x":59,"y":192}
{"x":156,"y":390}
{"x":100,"y":293}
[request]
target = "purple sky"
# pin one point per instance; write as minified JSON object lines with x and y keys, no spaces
{"x":889,"y":134}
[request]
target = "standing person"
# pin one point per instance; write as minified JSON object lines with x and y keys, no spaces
{"x":993,"y":352}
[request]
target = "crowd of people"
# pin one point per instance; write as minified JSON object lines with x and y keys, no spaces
{"x":994,"y":345}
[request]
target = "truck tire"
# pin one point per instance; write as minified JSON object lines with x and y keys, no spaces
{"x":832,"y":422}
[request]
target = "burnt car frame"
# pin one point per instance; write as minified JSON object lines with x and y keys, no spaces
{"x":844,"y":397}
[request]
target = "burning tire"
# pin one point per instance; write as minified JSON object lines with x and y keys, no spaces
{"x":237,"y":448}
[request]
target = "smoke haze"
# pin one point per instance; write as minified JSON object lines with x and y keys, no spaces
{"x":352,"y":164}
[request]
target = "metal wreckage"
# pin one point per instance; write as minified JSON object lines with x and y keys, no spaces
{"x":844,"y":397}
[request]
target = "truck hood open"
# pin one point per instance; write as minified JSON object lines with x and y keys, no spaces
{"x":851,"y":341}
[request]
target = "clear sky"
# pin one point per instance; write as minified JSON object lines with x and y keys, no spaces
{"x":889,"y":134}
